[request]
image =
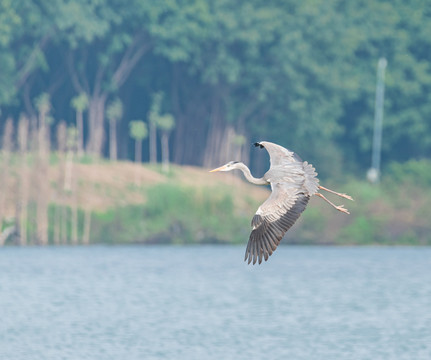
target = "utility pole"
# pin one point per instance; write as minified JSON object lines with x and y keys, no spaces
{"x":373,"y":173}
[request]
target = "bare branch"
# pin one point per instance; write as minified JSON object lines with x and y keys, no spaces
{"x":133,"y":54}
{"x":25,"y":69}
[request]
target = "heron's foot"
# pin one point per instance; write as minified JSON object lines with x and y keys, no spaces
{"x":342,"y":209}
{"x":348,"y":197}
{"x":338,"y":207}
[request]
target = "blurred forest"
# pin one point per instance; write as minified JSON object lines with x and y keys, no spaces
{"x":300,"y":73}
{"x":195,"y":82}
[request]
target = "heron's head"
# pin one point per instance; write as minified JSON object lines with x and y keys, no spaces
{"x":231,"y":165}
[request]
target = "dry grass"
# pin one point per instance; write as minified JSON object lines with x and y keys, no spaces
{"x":105,"y":185}
{"x":242,"y":192}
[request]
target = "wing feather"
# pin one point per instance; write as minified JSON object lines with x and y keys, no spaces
{"x":278,"y":154}
{"x":292,"y":182}
{"x":284,"y":158}
{"x":273,"y":218}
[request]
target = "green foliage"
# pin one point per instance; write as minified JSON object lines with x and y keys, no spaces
{"x":156,"y":105}
{"x":417,"y":172}
{"x":178,"y":214}
{"x":188,"y":215}
{"x":80,"y":102}
{"x":72,"y":137}
{"x":391,"y":213}
{"x":364,"y":230}
{"x":166,"y":122}
{"x":174,"y":214}
{"x":114,"y":110}
{"x":10,"y":21}
{"x":43,"y":103}
{"x":138,"y":130}
{"x":298,"y":73}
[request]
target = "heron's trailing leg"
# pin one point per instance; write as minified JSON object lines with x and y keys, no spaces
{"x":348,"y":197}
{"x":339,"y":208}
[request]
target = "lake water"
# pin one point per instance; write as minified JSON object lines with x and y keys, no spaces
{"x":203,"y":302}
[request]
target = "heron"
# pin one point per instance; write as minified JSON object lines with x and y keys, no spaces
{"x":292,"y":182}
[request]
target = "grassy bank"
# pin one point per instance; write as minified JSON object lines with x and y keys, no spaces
{"x":175,"y":214}
{"x":394,"y":212}
{"x":130,"y":203}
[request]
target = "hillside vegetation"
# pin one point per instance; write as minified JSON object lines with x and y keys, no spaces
{"x":124,"y":202}
{"x":211,"y":77}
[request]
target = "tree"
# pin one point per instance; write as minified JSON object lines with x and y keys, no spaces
{"x":71,"y":179}
{"x":138,"y":132}
{"x":5,"y":157}
{"x":113,"y":42}
{"x":24,"y":178}
{"x":11,"y":21}
{"x":165,"y":123}
{"x":80,"y":104}
{"x":152,"y":120}
{"x":43,"y":105}
{"x":60,"y":228}
{"x":298,"y":73}
{"x":114,"y":113}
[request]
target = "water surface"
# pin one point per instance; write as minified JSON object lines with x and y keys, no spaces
{"x":203,"y":302}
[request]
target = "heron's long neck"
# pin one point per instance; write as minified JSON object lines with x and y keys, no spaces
{"x":246,"y":171}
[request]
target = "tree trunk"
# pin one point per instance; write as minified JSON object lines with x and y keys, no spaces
{"x":165,"y":151}
{"x":139,"y":45}
{"x":24,"y":186}
{"x":80,"y":128}
{"x":190,"y":125}
{"x":138,"y":159}
{"x":113,"y":140}
{"x":138,"y":151}
{"x":222,"y":139}
{"x":43,"y":182}
{"x":153,"y":143}
{"x":190,"y":118}
{"x":214,"y":151}
{"x":61,"y":149}
{"x":24,"y":201}
{"x":74,"y":194}
{"x":4,"y":167}
{"x":68,"y":169}
{"x":96,"y":114}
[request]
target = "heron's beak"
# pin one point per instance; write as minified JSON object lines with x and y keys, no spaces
{"x":221,"y":168}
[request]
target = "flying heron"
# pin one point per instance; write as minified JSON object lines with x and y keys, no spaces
{"x":293,"y":182}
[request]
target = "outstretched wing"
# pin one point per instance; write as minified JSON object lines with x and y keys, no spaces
{"x":278,"y":154}
{"x":273,"y":218}
{"x":282,"y":158}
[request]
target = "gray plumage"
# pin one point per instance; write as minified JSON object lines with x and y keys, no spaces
{"x":292,"y":182}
